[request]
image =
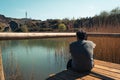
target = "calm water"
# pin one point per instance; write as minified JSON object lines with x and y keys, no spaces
{"x":36,"y":59}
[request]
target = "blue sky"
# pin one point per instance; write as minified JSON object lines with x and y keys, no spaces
{"x":55,"y":9}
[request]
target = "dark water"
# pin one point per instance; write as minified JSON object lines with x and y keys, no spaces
{"x":36,"y":59}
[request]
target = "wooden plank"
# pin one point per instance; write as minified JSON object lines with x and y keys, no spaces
{"x":107,"y":64}
{"x":101,"y":71}
{"x":71,"y":75}
{"x":67,"y":74}
{"x":102,"y":76}
{"x":75,"y":75}
{"x":88,"y":77}
{"x":108,"y":68}
{"x":1,"y":68}
{"x":54,"y":78}
{"x":106,"y":73}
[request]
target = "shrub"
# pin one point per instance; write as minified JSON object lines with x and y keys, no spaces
{"x":2,"y":26}
{"x":24,"y":28}
{"x":62,"y":27}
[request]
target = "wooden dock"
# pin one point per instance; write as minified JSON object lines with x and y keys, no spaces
{"x":101,"y":71}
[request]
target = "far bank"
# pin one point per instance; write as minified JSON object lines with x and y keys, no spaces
{"x":11,"y":36}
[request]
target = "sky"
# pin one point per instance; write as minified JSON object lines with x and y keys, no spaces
{"x":55,"y":9}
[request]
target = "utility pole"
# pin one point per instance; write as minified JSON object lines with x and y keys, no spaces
{"x":26,"y":14}
{"x":25,"y":17}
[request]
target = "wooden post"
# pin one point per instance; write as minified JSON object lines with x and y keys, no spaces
{"x":1,"y":67}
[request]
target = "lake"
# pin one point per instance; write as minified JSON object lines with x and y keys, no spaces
{"x":35,"y":59}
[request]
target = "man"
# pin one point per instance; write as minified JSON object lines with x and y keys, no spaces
{"x":81,"y":53}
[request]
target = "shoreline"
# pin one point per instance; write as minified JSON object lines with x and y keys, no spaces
{"x":11,"y":35}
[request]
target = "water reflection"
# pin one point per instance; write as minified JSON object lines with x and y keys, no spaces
{"x":36,"y":59}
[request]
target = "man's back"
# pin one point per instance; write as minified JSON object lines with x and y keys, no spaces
{"x":82,"y":55}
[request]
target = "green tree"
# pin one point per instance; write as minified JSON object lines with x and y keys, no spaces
{"x":62,"y":27}
{"x":104,"y":14}
{"x":115,"y":11}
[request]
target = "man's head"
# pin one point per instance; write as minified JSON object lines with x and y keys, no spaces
{"x":81,"y":35}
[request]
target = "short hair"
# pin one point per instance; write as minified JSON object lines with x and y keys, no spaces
{"x":82,"y":35}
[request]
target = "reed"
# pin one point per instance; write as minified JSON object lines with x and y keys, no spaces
{"x":107,"y":48}
{"x":103,"y":29}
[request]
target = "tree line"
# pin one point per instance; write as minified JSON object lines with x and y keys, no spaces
{"x":105,"y":20}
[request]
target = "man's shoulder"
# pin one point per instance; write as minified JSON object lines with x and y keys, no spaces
{"x":91,"y":43}
{"x":88,"y":41}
